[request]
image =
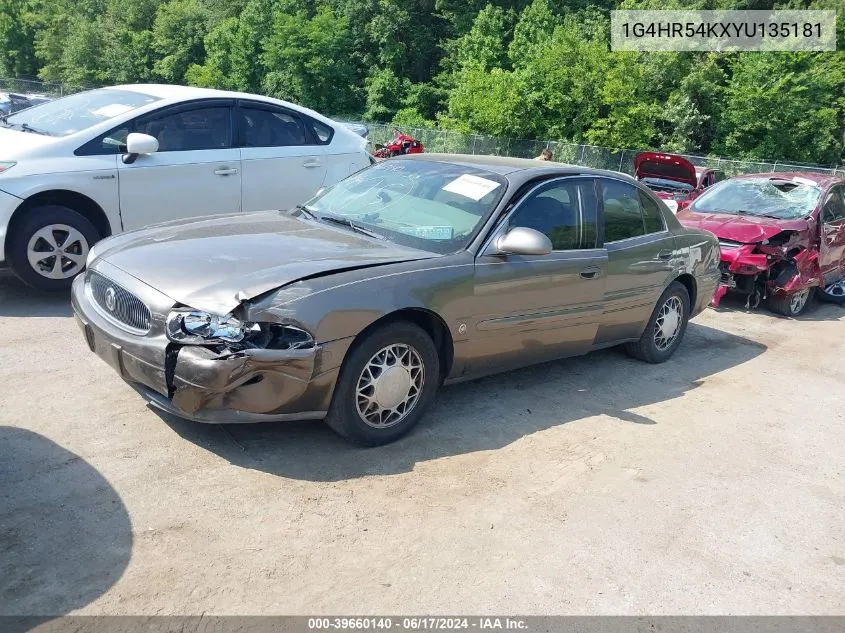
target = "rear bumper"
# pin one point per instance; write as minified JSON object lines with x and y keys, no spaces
{"x":203,"y":385}
{"x":8,"y":204}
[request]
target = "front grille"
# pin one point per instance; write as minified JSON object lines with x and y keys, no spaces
{"x":118,"y":303}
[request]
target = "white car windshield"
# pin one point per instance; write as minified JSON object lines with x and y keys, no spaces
{"x":429,"y":205}
{"x":767,"y":197}
{"x":77,"y":112}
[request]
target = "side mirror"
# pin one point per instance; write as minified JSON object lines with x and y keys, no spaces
{"x":523,"y":241}
{"x":137,"y":144}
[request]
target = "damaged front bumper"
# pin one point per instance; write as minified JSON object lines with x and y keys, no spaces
{"x":759,"y":275}
{"x":201,"y":384}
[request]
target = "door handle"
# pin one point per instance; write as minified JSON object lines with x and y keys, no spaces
{"x":591,"y":272}
{"x":225,"y":171}
{"x":310,"y":164}
{"x":664,"y":256}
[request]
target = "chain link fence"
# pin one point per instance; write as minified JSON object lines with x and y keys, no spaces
{"x":622,"y":160}
{"x":437,"y":140}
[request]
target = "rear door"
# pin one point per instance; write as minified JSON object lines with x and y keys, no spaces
{"x":283,"y":163}
{"x":196,"y":170}
{"x":833,"y":234}
{"x":640,"y":254}
{"x":528,"y":309}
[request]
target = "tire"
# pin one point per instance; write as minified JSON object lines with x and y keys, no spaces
{"x":70,"y":231}
{"x":791,"y":305}
{"x":384,"y":345}
{"x":650,"y":348}
{"x":832,"y":293}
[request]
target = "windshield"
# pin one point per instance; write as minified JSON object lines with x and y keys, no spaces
{"x":432,"y":206}
{"x":773,"y":198}
{"x":77,"y":112}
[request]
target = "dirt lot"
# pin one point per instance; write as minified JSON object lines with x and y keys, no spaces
{"x":711,"y":484}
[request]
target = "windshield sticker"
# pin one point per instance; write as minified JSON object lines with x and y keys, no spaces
{"x":428,"y":232}
{"x":472,"y":187}
{"x":112,"y":110}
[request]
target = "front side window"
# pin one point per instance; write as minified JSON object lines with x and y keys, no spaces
{"x":77,"y":112}
{"x":270,"y":128}
{"x":433,"y":206}
{"x":834,"y":206}
{"x":623,"y":216}
{"x":187,"y":130}
{"x":564,"y":211}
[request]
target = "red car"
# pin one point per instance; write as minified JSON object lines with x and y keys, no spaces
{"x":673,"y":178}
{"x":782,"y":236}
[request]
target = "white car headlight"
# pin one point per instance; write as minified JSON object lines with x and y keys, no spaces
{"x":6,"y":165}
{"x":196,"y":327}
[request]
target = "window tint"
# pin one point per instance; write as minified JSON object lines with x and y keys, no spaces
{"x":203,"y":128}
{"x":270,"y":128}
{"x":623,"y":218}
{"x":651,"y":214}
{"x":834,"y":206}
{"x":564,"y":211}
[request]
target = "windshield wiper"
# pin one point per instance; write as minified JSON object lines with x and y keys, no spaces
{"x":307,"y":211}
{"x":26,"y":127}
{"x":350,"y":224}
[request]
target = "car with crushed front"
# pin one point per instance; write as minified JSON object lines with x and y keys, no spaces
{"x":417,"y":271}
{"x":782,"y":237}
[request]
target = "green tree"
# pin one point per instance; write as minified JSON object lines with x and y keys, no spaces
{"x":178,"y":36}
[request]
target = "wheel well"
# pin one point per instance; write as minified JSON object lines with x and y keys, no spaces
{"x":689,"y":283}
{"x":76,"y":201}
{"x":432,"y":324}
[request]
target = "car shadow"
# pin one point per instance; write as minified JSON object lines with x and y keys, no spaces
{"x":19,"y":300}
{"x":483,"y":415}
{"x":65,"y":535}
{"x":816,"y":310}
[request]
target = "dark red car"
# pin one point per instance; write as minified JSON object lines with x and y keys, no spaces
{"x":782,"y":236}
{"x":673,"y":178}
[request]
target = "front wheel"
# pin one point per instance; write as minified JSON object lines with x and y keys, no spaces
{"x":386,"y":384}
{"x":50,"y":247}
{"x":791,"y":305}
{"x":666,"y":327}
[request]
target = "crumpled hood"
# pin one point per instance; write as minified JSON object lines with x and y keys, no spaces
{"x":215,"y":263}
{"x":739,"y":228}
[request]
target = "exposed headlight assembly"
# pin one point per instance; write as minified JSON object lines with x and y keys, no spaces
{"x":195,"y":327}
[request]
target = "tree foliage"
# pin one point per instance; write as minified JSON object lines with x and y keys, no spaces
{"x":519,"y":68}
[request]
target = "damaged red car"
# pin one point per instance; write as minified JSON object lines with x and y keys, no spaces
{"x":782,"y":236}
{"x":673,"y":178}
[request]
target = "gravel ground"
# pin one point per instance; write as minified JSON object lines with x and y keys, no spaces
{"x":711,"y":484}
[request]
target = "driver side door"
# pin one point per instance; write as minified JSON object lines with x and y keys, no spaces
{"x":532,"y":308}
{"x":832,"y":226}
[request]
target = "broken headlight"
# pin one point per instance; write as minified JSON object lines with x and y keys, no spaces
{"x":195,"y":327}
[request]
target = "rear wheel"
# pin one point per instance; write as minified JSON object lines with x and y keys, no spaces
{"x":386,"y":385}
{"x":666,"y":327}
{"x":50,"y":247}
{"x":791,"y":305}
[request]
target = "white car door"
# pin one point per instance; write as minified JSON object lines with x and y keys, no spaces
{"x":196,"y":170}
{"x":283,"y":164}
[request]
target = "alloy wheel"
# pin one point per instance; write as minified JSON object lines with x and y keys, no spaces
{"x":798,"y":300}
{"x":57,"y":251}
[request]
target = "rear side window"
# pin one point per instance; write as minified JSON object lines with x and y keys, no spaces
{"x":323,"y":133}
{"x":623,"y":216}
{"x":270,"y":128}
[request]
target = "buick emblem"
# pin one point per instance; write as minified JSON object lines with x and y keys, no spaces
{"x":110,"y":299}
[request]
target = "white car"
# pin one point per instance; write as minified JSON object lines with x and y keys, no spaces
{"x":93,"y":164}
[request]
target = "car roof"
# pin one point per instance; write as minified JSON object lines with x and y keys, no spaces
{"x":526,"y":167}
{"x":821,"y":180}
